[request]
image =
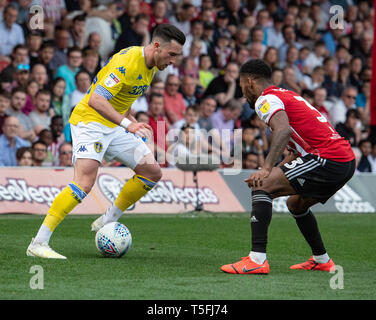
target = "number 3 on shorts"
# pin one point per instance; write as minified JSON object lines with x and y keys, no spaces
{"x":293,"y":163}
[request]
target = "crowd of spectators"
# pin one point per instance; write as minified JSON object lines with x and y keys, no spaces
{"x":49,"y":57}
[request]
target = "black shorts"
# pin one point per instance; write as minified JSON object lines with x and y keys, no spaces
{"x":317,"y":178}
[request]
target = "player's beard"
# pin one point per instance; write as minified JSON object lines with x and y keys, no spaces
{"x":251,"y":100}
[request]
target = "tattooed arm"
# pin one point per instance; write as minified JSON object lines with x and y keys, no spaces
{"x":281,"y":133}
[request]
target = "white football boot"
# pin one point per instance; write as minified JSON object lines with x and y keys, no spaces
{"x":42,"y":250}
{"x":97,"y":224}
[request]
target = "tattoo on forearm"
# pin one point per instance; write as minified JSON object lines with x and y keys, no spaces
{"x":279,"y":141}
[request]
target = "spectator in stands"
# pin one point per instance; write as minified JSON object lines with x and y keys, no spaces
{"x":251,"y":160}
{"x":372,"y":158}
{"x":235,"y":11}
{"x":4,"y":106}
{"x":65,"y":155}
{"x":364,"y":164}
{"x":60,"y":101}
{"x":190,"y":118}
{"x":61,"y":48}
{"x":39,"y":116}
{"x":205,"y":73}
{"x":132,"y":9}
{"x":271,"y":57}
{"x":10,"y":142}
{"x":349,"y":129}
{"x":39,"y":74}
{"x":317,"y":56}
{"x":21,"y":76}
{"x":331,"y":77}
{"x":32,"y":88}
{"x":277,"y":77}
{"x":363,"y":102}
{"x":45,"y":135}
{"x":158,"y":15}
{"x":24,"y":157}
{"x":206,"y":110}
{"x":289,"y":80}
{"x":365,"y":49}
{"x":39,"y":153}
{"x":90,"y":62}
{"x":69,"y":70}
{"x":83,"y":82}
{"x":289,"y":36}
{"x":315,"y":80}
{"x":173,"y":100}
{"x":77,"y":35}
{"x":224,"y":118}
{"x":182,"y":18}
{"x":274,"y":36}
{"x":306,"y":33}
{"x":185,"y":146}
{"x":94,"y":43}
{"x":188,"y":90}
{"x":137,"y":35}
{"x":34,"y":42}
{"x":142,"y":116}
{"x":338,"y":111}
{"x":18,"y":100}
{"x":223,"y":51}
{"x":356,"y":66}
{"x":197,"y":30}
{"x":46,"y":53}
{"x":292,"y":55}
{"x":319,"y":98}
{"x":226,"y":86}
{"x":11,"y":33}
{"x":19,"y":59}
{"x":159,"y":124}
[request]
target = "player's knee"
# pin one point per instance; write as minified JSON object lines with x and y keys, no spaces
{"x":156,"y":174}
{"x":295,"y":207}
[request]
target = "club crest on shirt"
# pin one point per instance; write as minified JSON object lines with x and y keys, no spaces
{"x":98,"y":146}
{"x":111,"y":80}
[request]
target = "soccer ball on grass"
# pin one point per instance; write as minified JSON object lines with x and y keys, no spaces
{"x":113,"y":240}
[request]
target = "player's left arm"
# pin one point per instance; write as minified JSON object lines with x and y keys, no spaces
{"x":281,"y":133}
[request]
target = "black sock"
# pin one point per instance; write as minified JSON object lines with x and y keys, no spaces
{"x":308,"y":227}
{"x":260,"y":219}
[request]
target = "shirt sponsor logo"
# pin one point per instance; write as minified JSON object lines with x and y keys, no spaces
{"x":111,"y":80}
{"x":265,"y":106}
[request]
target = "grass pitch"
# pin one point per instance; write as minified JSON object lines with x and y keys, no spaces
{"x":178,"y":257}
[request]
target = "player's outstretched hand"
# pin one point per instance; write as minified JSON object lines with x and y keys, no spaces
{"x":256,"y":178}
{"x":140,"y":128}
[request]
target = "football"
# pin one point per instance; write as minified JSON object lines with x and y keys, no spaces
{"x":113,"y":240}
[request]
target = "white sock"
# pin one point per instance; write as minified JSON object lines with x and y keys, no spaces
{"x":324,"y":258}
{"x":258,"y":257}
{"x":112,"y":214}
{"x":43,"y":235}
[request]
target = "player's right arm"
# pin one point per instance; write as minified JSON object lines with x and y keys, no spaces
{"x":100,"y":104}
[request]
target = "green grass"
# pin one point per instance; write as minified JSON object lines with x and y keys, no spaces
{"x":178,"y":257}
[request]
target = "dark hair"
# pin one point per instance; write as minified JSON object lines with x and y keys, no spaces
{"x":44,"y":91}
{"x":168,"y":32}
{"x":257,"y":68}
{"x":21,"y":151}
{"x":73,"y":49}
{"x":155,"y":95}
{"x":353,"y":112}
{"x":363,"y":141}
{"x":39,"y":142}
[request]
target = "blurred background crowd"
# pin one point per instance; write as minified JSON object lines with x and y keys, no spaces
{"x":47,"y":63}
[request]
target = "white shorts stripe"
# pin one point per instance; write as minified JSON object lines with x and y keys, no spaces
{"x":300,"y":167}
{"x":311,"y":167}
